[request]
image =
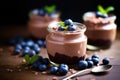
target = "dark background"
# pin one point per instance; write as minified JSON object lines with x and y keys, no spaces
{"x":16,"y":11}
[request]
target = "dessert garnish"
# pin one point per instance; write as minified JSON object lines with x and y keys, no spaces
{"x":66,"y":25}
{"x":104,"y":12}
{"x":47,"y":10}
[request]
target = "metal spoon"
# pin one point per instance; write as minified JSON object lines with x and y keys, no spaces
{"x":97,"y":69}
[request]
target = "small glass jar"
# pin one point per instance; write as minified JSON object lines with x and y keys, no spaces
{"x":67,"y":46}
{"x":101,"y":32}
{"x":37,"y":25}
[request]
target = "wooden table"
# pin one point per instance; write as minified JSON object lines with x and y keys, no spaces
{"x":11,"y":67}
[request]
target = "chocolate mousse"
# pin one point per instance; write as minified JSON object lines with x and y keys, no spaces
{"x":101,"y":29}
{"x":39,"y":20}
{"x":66,"y":43}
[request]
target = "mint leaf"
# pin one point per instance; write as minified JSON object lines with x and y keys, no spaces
{"x":110,"y":8}
{"x":50,"y":9}
{"x":91,"y":47}
{"x":34,"y":59}
{"x":27,"y":59}
{"x":101,"y":9}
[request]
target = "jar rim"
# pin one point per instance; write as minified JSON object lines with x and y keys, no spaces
{"x":55,"y":24}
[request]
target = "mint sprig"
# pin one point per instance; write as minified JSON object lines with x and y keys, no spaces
{"x":30,"y":60}
{"x":50,"y":9}
{"x":105,"y":11}
{"x":61,"y":23}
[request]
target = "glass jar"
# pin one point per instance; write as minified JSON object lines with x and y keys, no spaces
{"x":101,"y":32}
{"x":67,"y":46}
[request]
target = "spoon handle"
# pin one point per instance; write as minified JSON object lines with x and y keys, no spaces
{"x":76,"y":74}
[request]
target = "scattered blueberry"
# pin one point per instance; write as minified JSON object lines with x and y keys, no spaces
{"x":23,"y":43}
{"x":32,"y":53}
{"x":106,"y":61}
{"x":44,"y":44}
{"x":36,"y":64}
{"x":40,"y":59}
{"x":90,"y":64}
{"x":42,"y":67}
{"x":35,"y":11}
{"x":88,"y":59}
{"x":53,"y":69}
{"x":68,"y":22}
{"x":46,"y":61}
{"x":17,"y":51}
{"x":95,"y":61}
{"x":71,"y":28}
{"x":26,"y":51}
{"x":63,"y":69}
{"x":18,"y":46}
{"x":26,"y":48}
{"x":82,"y":64}
{"x":37,"y":50}
{"x":30,"y":43}
{"x":95,"y":56}
{"x":40,"y":42}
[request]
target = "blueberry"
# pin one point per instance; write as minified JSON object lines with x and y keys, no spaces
{"x":53,"y":70}
{"x":95,"y":56}
{"x":36,"y":64}
{"x":106,"y":61}
{"x":88,"y":59}
{"x":61,"y":28}
{"x":32,"y":53}
{"x":42,"y":67}
{"x":71,"y":28}
{"x":40,"y":59}
{"x":63,"y":69}
{"x":40,"y":42}
{"x":23,"y":43}
{"x":90,"y":64}
{"x":35,"y":46}
{"x":42,"y":12}
{"x":46,"y":61}
{"x":26,"y":51}
{"x":82,"y":65}
{"x":95,"y":61}
{"x":99,"y":14}
{"x":44,"y":44}
{"x":68,"y":22}
{"x":17,"y":51}
{"x":18,"y":46}
{"x":30,"y":43}
{"x":37,"y":50}
{"x":26,"y":48}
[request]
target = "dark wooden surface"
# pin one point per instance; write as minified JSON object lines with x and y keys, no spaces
{"x":11,"y":67}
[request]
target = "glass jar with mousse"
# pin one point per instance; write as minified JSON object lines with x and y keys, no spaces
{"x":38,"y":22}
{"x":101,"y":31}
{"x":65,"y":46}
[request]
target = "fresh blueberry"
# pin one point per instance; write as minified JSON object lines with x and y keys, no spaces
{"x":71,"y":28}
{"x":68,"y":22}
{"x":88,"y":59}
{"x":30,"y":43}
{"x":42,"y":12}
{"x":42,"y":67}
{"x":25,"y":51}
{"x":17,"y":51}
{"x":63,"y":69}
{"x":99,"y":14}
{"x":18,"y":46}
{"x":95,"y":61}
{"x":40,"y":59}
{"x":32,"y":53}
{"x":37,"y":50}
{"x":61,"y":28}
{"x":106,"y":61}
{"x":44,"y":44}
{"x":23,"y":43}
{"x":36,"y":64}
{"x":46,"y":61}
{"x":35,"y":46}
{"x":26,"y":48}
{"x":95,"y":56}
{"x":40,"y":42}
{"x":82,"y":65}
{"x":90,"y":64}
{"x":53,"y":70}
